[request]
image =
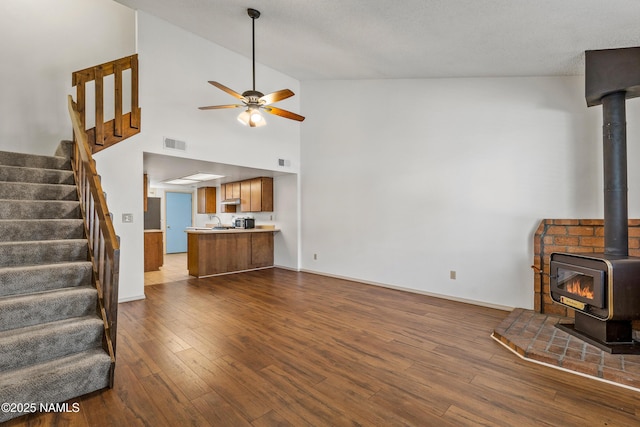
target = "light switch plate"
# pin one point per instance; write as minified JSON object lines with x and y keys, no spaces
{"x":127,"y":217}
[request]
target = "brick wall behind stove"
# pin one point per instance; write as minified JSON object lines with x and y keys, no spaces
{"x":571,"y":236}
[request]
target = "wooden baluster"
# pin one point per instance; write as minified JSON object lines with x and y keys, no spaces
{"x":99,"y":83}
{"x":117,"y":120}
{"x":96,"y":234}
{"x":135,"y":112}
{"x":100,"y":259}
{"x":81,"y":104}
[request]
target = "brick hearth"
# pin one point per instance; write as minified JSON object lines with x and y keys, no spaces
{"x":532,"y":333}
{"x":534,"y":336}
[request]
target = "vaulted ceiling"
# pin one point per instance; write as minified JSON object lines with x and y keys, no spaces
{"x":380,"y":39}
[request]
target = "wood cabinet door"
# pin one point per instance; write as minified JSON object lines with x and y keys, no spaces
{"x":245,"y":196}
{"x":267,"y":194}
{"x":235,"y":190}
{"x":206,"y":200}
{"x":261,"y":250}
{"x":256,"y":195}
{"x":262,"y":195}
{"x":153,"y":251}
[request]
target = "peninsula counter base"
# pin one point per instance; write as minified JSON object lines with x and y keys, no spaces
{"x":223,"y":252}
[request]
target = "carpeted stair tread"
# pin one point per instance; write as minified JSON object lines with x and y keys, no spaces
{"x":13,"y":254}
{"x":23,"y":230}
{"x":44,"y":277}
{"x":31,"y":191}
{"x":19,"y":311}
{"x":36,"y":175}
{"x":8,"y":158}
{"x":51,"y":334}
{"x":57,"y":380}
{"x":39,"y":209}
{"x":43,"y":342}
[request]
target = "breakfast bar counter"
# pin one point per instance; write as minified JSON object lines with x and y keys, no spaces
{"x":211,"y":252}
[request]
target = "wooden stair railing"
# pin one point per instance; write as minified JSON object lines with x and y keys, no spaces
{"x":123,"y":126}
{"x":104,"y":245}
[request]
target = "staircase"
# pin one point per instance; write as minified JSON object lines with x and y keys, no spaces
{"x":51,"y":332}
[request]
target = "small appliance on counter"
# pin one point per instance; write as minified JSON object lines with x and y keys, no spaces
{"x":244,"y":223}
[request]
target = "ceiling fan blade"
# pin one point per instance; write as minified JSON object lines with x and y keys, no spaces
{"x":217,"y":107}
{"x":272,"y":97}
{"x":284,"y":113}
{"x":229,"y":91}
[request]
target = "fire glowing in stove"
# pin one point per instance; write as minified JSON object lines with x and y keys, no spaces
{"x":575,"y":286}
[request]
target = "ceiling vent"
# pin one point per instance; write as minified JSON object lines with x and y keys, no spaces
{"x":174,"y":144}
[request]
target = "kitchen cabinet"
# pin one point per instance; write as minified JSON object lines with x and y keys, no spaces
{"x":262,"y":195}
{"x":228,"y":191}
{"x":232,"y":190}
{"x":153,"y":250}
{"x":207,"y":200}
{"x":256,"y":195}
{"x":245,"y":196}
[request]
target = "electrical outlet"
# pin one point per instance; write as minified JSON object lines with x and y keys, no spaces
{"x":452,"y":275}
{"x":127,"y":217}
{"x":315,"y":257}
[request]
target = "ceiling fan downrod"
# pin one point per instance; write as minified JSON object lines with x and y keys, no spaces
{"x":253,"y":14}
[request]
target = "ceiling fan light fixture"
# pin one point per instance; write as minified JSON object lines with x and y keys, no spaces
{"x":253,"y":99}
{"x":252,"y":117}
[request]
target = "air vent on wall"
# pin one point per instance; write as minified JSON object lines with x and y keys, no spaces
{"x":174,"y":144}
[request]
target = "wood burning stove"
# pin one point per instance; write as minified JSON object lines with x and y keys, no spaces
{"x":604,"y":289}
{"x":605,"y":292}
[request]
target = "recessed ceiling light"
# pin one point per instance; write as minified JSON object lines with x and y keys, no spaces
{"x":181,"y":181}
{"x":201,"y":176}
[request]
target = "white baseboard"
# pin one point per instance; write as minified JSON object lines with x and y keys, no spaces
{"x":297,"y":270}
{"x":414,"y":291}
{"x":134,"y":298}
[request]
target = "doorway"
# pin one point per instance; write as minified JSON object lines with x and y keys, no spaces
{"x":179,"y":216}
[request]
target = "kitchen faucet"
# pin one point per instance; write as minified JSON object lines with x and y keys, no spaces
{"x":216,"y":217}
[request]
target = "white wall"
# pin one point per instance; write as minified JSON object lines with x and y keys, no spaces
{"x":404,"y":181}
{"x":286,"y":202}
{"x":401,"y":181}
{"x":174,"y":67}
{"x":43,"y":42}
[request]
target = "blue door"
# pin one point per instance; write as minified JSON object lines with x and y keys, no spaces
{"x":178,"y":218}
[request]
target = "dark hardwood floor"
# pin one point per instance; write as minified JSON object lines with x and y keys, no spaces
{"x":280,"y":348}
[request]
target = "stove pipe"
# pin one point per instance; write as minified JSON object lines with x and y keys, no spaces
{"x":616,"y":217}
{"x":612,"y":76}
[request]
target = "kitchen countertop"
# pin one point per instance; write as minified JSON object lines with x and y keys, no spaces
{"x":153,"y":231}
{"x":204,"y":230}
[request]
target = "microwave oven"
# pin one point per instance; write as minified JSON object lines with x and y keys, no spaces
{"x":244,"y":223}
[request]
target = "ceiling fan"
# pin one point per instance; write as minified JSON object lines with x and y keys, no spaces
{"x":253,"y":100}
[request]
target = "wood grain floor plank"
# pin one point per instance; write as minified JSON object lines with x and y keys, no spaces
{"x":174,"y":406}
{"x":305,"y":404}
{"x":190,"y":384}
{"x":218,"y":412}
{"x":136,"y":399}
{"x":228,"y":387}
{"x":277,"y":347}
{"x":462,"y":418}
